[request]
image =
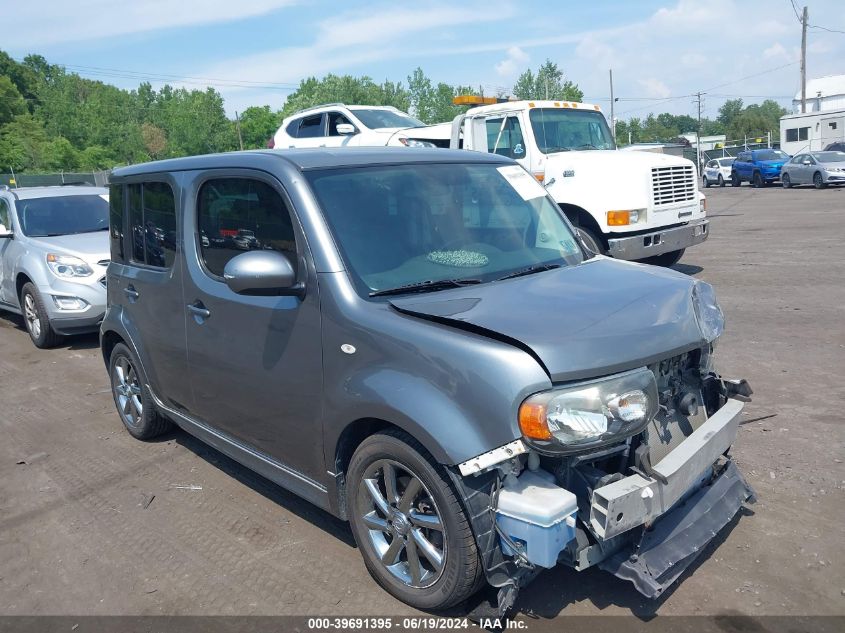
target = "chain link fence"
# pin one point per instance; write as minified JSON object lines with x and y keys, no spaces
{"x":97,"y":178}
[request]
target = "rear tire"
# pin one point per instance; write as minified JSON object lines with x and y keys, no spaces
{"x":757,"y":180}
{"x":35,"y":318}
{"x":786,"y":181}
{"x":387,"y":525}
{"x":721,"y":181}
{"x":818,"y":181}
{"x":132,"y":397}
{"x":666,"y":259}
{"x":735,"y":180}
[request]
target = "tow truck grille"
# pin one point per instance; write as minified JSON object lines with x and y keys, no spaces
{"x":672,"y":184}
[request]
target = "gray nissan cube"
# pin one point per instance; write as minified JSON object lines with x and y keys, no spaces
{"x":418,"y":342}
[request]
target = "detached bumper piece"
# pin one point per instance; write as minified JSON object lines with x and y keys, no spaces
{"x":677,"y":538}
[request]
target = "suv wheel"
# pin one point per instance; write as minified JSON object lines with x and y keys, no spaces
{"x":409,"y":525}
{"x":35,"y":317}
{"x":706,"y":182}
{"x":757,"y":180}
{"x":721,"y":181}
{"x":735,"y":181}
{"x":786,"y":181}
{"x":131,"y":396}
{"x":818,"y":181}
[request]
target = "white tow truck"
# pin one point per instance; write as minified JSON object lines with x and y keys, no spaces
{"x":628,"y":205}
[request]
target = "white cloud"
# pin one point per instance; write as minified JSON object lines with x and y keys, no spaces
{"x":38,"y":24}
{"x":693,"y":60}
{"x":516,"y":61}
{"x":654,"y":88}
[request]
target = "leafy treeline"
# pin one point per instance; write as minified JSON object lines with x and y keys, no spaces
{"x":53,"y":120}
{"x":735,"y":121}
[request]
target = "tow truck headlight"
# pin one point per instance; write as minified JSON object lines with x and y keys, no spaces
{"x":711,"y":319}
{"x":68,"y":266}
{"x":590,"y":414}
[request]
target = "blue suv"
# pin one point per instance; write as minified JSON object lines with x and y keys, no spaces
{"x":760,"y":167}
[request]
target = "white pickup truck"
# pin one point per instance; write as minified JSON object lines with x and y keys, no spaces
{"x":628,"y":205}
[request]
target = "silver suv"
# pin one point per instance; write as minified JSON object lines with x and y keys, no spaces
{"x":54,"y":250}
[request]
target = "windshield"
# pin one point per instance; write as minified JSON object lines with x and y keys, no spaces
{"x":63,"y":215}
{"x":378,"y":119}
{"x":830,"y":157}
{"x":398,"y":225}
{"x":726,"y":162}
{"x":560,"y":130}
{"x":772,"y":154}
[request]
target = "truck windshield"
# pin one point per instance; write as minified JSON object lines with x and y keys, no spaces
{"x":379,"y":119}
{"x":562,"y":130}
{"x":63,"y":215}
{"x":424,"y":224}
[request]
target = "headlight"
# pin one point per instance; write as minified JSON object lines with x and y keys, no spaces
{"x":711,"y":320}
{"x":410,"y":142}
{"x":68,"y":266}
{"x":590,"y":414}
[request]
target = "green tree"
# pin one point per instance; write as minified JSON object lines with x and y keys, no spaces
{"x":22,"y":143}
{"x":11,"y":101}
{"x":258,"y":125}
{"x":548,"y":83}
{"x":345,"y":89}
{"x":434,"y":103}
{"x":58,"y":154}
{"x":729,"y":111}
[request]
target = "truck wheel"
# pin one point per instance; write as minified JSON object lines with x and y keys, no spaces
{"x":592,"y":241}
{"x":786,"y":181}
{"x":706,"y":182}
{"x":131,"y":396}
{"x":721,"y":181}
{"x":735,"y":181}
{"x":757,"y":180}
{"x":409,"y":524}
{"x":35,"y":316}
{"x":666,"y":259}
{"x":818,"y":181}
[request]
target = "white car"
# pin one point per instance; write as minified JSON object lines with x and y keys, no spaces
{"x":718,"y":171}
{"x":339,"y":125}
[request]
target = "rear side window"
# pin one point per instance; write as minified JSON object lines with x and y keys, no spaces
{"x":242,"y":214}
{"x":116,"y":206}
{"x":311,"y":126}
{"x":152,"y":224}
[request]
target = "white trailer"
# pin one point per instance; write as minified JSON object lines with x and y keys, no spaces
{"x":811,"y":131}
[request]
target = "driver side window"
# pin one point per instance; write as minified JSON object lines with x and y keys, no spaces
{"x":510,"y":142}
{"x":5,"y":221}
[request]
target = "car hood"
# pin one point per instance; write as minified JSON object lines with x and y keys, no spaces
{"x":90,"y":247}
{"x":584,"y":321}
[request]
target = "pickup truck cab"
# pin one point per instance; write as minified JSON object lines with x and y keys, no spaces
{"x":760,"y":167}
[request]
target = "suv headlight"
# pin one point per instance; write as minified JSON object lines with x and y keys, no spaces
{"x":410,"y":142}
{"x":68,"y":266}
{"x":711,"y":319}
{"x":590,"y":414}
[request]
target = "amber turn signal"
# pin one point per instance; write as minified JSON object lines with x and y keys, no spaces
{"x":532,"y":421}
{"x":618,"y":218}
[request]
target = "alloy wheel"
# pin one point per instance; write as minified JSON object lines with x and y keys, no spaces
{"x":30,"y":311}
{"x":127,"y":391}
{"x":403,"y":523}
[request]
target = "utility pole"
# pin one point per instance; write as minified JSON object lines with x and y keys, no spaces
{"x":698,"y":131}
{"x":238,"y":124}
{"x":804,"y":19}
{"x":612,"y":120}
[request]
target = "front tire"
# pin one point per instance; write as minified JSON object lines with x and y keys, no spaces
{"x":592,"y":241}
{"x":409,"y":525}
{"x":666,"y":259}
{"x":131,"y":395}
{"x":35,"y":317}
{"x":721,"y":181}
{"x":818,"y":181}
{"x":706,"y":183}
{"x":735,"y":180}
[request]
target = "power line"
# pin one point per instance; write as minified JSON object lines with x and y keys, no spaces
{"x":824,"y":28}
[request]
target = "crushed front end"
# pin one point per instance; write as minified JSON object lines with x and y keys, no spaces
{"x":631,"y":472}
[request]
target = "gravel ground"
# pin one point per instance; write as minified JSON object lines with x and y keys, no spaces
{"x":79,"y":534}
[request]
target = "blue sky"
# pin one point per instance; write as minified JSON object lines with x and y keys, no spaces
{"x":256,"y":51}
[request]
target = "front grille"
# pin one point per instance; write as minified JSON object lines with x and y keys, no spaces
{"x":672,"y":184}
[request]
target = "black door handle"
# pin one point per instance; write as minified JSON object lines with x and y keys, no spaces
{"x":199,"y":310}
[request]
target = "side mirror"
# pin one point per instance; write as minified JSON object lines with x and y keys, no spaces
{"x":807,"y":161}
{"x":262,"y":273}
{"x":4,"y":232}
{"x":345,"y":129}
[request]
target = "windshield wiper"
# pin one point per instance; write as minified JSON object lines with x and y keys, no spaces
{"x":102,"y":228}
{"x":429,"y":285}
{"x":536,"y":268}
{"x":587,"y":146}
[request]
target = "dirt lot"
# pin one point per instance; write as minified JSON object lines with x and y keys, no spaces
{"x":75,"y":537}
